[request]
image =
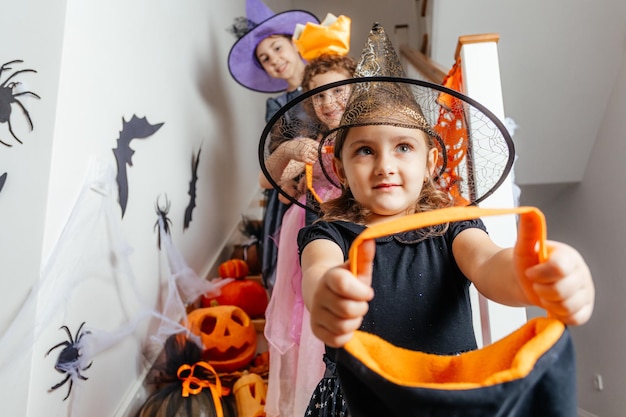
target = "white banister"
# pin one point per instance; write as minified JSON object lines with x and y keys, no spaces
{"x":481,"y":81}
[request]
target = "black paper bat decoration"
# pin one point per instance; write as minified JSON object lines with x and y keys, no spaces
{"x":192,"y":188}
{"x":136,"y":128}
{"x":3,"y":179}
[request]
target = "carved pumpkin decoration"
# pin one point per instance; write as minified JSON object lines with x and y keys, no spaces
{"x":247,"y":294}
{"x":233,"y":268}
{"x":250,"y":393}
{"x":228,"y":336}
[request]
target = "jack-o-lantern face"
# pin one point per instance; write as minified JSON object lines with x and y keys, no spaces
{"x":250,"y":394}
{"x":228,"y":336}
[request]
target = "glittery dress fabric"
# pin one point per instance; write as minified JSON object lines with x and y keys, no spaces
{"x":415,"y":321}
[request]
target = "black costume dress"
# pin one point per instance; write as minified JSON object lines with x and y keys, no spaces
{"x":274,"y":208}
{"x":421,"y":299}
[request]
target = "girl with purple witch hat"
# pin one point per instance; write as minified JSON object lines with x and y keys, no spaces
{"x":264,"y":59}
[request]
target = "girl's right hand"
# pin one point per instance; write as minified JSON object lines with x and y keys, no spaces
{"x":303,"y":150}
{"x":341,"y":299}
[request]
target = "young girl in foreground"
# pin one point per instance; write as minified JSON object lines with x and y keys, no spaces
{"x":412,"y":288}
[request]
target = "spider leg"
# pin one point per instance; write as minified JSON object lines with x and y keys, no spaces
{"x":26,"y":92}
{"x":60,"y":383}
{"x":69,"y":334}
{"x":5,"y":144}
{"x":79,"y":375}
{"x":19,"y":103}
{"x":13,"y":133}
{"x":66,"y":343}
{"x":79,"y":333}
{"x":4,"y":66}
{"x":69,"y":390}
{"x":14,"y":74}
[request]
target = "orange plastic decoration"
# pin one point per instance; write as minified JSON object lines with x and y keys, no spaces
{"x":331,"y":36}
{"x":452,"y":127}
{"x":250,"y":393}
{"x":228,"y":336}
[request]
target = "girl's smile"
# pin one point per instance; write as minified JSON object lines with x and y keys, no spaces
{"x":280,"y":59}
{"x":330,"y":104}
{"x":385,"y":167}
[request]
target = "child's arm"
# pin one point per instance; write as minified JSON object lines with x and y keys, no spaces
{"x":302,"y":150}
{"x":562,"y":284}
{"x":336,"y":300}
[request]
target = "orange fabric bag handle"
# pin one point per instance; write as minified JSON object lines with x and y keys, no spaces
{"x":450,"y":214}
{"x":309,"y":174}
{"x":309,"y":182}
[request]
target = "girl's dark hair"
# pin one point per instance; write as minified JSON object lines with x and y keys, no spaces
{"x":321,"y":65}
{"x":274,"y":35}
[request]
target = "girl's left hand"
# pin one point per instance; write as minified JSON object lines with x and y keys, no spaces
{"x":562,"y":285}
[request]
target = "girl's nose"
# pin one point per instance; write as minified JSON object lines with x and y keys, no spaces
{"x":384,"y":164}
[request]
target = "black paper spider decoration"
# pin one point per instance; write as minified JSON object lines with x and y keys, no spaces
{"x":69,"y":361}
{"x":162,"y":212}
{"x":8,"y":97}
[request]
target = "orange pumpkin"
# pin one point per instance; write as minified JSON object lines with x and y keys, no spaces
{"x":249,"y":295}
{"x":250,"y":254}
{"x":228,"y":336}
{"x":233,"y":268}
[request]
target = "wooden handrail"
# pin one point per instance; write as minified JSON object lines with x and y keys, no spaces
{"x":466,"y":39}
{"x":431,"y":70}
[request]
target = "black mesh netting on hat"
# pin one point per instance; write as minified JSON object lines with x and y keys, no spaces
{"x":476,"y":151}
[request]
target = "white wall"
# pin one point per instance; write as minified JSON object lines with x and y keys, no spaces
{"x":559,"y":60}
{"x":99,"y":63}
{"x":590,"y":216}
{"x":23,"y":197}
{"x":364,"y":14}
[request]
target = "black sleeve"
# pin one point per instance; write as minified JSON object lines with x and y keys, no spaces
{"x":321,"y":230}
{"x":457,"y":227}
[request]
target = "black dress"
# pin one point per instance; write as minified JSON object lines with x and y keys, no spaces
{"x":421,"y":299}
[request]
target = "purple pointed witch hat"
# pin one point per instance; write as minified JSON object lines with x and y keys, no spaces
{"x":260,"y":22}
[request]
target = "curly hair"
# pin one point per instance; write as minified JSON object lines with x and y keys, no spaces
{"x":321,"y":65}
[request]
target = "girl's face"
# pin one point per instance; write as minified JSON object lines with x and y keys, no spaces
{"x":280,"y":58}
{"x":330,"y":104}
{"x":385,"y":167}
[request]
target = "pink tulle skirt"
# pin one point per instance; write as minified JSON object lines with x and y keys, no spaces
{"x":296,"y":363}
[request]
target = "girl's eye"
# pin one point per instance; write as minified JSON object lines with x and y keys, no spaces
{"x":403,"y":148}
{"x":364,"y":151}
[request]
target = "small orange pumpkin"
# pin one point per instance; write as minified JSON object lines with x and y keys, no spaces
{"x":233,"y":268}
{"x":250,"y":254}
{"x":249,"y":295}
{"x":228,"y":336}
